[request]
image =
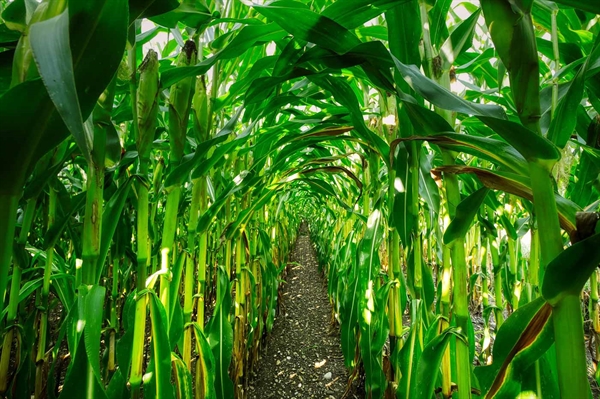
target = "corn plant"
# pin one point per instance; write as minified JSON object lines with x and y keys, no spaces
{"x":161,"y":154}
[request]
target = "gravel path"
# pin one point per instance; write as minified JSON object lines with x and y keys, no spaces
{"x":303,"y":358}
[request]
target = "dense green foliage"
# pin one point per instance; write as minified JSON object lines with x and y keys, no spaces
{"x":159,"y":156}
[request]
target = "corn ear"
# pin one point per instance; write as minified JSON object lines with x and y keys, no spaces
{"x":179,"y":103}
{"x":201,"y":112}
{"x":147,"y":104}
{"x":514,"y":38}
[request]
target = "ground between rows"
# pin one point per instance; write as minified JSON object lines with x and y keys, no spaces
{"x":303,"y":357}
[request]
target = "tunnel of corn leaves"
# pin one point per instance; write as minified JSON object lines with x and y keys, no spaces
{"x":445,"y":155}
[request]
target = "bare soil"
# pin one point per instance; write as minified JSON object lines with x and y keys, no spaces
{"x":303,"y":356}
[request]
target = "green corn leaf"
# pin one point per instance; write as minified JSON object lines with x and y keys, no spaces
{"x":206,"y":165}
{"x":429,"y":363}
{"x":110,"y":219}
{"x":411,"y":352}
{"x":589,"y":6}
{"x":582,"y":192}
{"x":248,"y":37}
{"x":465,"y":214}
{"x":180,"y":173}
{"x":148,"y":8}
{"x":261,"y":88}
{"x":343,"y":93}
{"x":514,"y":37}
{"x":309,"y":26}
{"x":125,"y":343}
{"x":523,"y":338}
{"x":568,"y":273}
{"x":100,"y":33}
{"x":437,"y":17}
{"x":532,"y":146}
{"x":374,"y":53}
{"x":176,"y":321}
{"x":50,"y":44}
{"x":220,"y":337}
{"x":459,"y":41}
{"x":368,"y":313}
{"x":92,"y":333}
{"x":205,"y":388}
{"x":374,"y":329}
{"x":15,"y":16}
{"x":193,"y":15}
{"x":272,"y":273}
{"x":565,"y":119}
{"x":493,"y":150}
{"x":53,"y":234}
{"x":117,"y":386}
{"x":517,"y":185}
{"x":349,"y":318}
{"x":183,"y":378}
{"x":77,"y":377}
{"x":428,"y":190}
{"x":427,"y":122}
{"x":404,"y":29}
{"x":511,"y":232}
{"x":443,"y":98}
{"x":401,"y":218}
{"x":84,"y":344}
{"x":161,"y":351}
{"x":353,"y":13}
{"x":6,"y":61}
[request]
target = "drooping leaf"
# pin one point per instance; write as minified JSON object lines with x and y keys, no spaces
{"x":517,"y":185}
{"x":465,"y":213}
{"x":443,"y":98}
{"x":148,"y":8}
{"x":493,"y":150}
{"x":193,"y":15}
{"x":532,"y":146}
{"x":353,"y":13}
{"x":521,"y":340}
{"x":35,"y":127}
{"x":309,"y":26}
{"x":568,"y":272}
{"x":344,"y":94}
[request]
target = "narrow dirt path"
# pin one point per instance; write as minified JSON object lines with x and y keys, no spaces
{"x":303,"y":358}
